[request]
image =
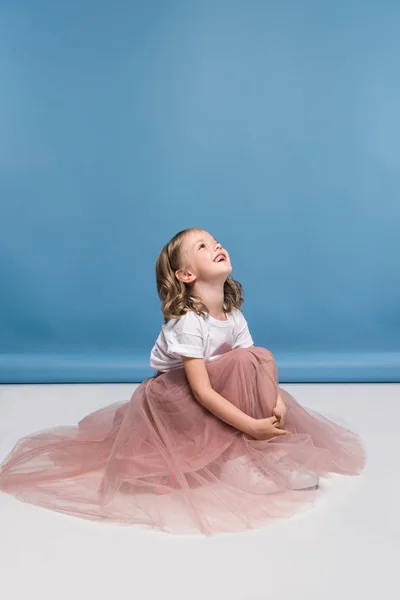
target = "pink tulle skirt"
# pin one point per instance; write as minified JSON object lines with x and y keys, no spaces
{"x":164,"y":461}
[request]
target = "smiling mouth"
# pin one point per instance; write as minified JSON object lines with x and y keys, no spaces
{"x":220,"y":258}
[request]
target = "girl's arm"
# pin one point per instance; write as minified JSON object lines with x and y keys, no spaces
{"x":202,"y":390}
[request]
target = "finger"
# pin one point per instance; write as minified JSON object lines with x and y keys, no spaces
{"x":282,"y":432}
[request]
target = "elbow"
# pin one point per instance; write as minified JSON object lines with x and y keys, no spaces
{"x":201,"y":394}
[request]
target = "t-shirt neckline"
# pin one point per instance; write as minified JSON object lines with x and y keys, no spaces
{"x":219,"y":323}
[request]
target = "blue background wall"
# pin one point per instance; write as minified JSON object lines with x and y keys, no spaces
{"x":273,"y":124}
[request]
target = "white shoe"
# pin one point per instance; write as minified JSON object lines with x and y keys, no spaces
{"x":296,"y":476}
{"x":239,"y":473}
{"x":302,"y":479}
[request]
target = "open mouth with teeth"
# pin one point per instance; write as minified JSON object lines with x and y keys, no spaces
{"x":220,"y":258}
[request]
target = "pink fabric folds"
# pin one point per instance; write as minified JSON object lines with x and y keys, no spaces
{"x":164,"y":461}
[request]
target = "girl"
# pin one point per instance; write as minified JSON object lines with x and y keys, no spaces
{"x":210,"y":443}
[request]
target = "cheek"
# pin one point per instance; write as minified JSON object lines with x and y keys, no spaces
{"x":203,"y":261}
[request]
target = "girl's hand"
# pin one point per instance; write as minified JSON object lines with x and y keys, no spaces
{"x":265,"y":429}
{"x":280,"y":412}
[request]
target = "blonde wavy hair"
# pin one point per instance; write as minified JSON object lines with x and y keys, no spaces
{"x":175,"y":295}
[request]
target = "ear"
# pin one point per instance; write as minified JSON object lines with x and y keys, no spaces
{"x":185,"y":276}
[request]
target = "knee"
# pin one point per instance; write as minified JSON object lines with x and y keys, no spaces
{"x":241,"y":352}
{"x":245,"y":356}
{"x":255,"y":357}
{"x":264,"y":354}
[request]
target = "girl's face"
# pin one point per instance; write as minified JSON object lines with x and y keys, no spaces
{"x":204,"y":258}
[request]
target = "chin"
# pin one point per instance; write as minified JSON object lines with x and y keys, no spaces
{"x":229,"y":270}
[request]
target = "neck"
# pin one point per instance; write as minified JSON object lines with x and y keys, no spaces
{"x":212,"y":296}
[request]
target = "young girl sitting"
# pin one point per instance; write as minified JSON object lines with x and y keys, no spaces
{"x":210,"y":443}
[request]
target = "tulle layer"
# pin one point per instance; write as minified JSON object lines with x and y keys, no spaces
{"x":164,"y":461}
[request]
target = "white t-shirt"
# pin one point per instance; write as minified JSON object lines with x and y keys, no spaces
{"x":198,"y":337}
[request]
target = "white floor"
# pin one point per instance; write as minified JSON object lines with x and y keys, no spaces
{"x":347,"y":547}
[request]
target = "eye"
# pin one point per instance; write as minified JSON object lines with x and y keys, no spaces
{"x":202,"y":246}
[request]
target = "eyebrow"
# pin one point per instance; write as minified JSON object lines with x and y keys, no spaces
{"x":202,"y":240}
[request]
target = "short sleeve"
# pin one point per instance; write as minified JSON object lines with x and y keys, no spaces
{"x":242,"y":337}
{"x":185,"y":336}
